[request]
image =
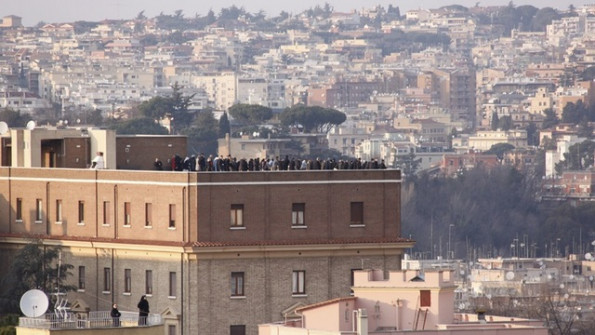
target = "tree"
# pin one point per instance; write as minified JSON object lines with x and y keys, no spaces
{"x":544,"y":17}
{"x":13,"y":118}
{"x":482,"y":203}
{"x":495,"y":121}
{"x":574,"y":113}
{"x":231,"y":13}
{"x":505,"y":123}
{"x":499,"y":149}
{"x":550,"y":120}
{"x":578,"y":157}
{"x":202,"y":134}
{"x":224,"y":127}
{"x":585,"y":129}
{"x":145,"y":126}
{"x":94,"y":117}
{"x":156,"y":107}
{"x":180,"y":102}
{"x":588,"y":74}
{"x":34,"y":267}
{"x":532,"y":134}
{"x":211,"y":18}
{"x":408,"y":164}
{"x":314,"y":118}
{"x":140,"y":16}
{"x":250,"y":114}
{"x":174,"y":107}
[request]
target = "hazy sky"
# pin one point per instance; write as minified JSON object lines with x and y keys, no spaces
{"x":51,"y":11}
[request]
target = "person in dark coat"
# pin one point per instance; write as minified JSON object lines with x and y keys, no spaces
{"x":115,"y":314}
{"x":143,"y":311}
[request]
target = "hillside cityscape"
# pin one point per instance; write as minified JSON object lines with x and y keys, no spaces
{"x":428,"y":169}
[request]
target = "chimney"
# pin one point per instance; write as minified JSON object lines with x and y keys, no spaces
{"x":362,"y":322}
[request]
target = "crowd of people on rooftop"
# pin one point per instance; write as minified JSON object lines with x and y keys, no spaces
{"x":229,"y":163}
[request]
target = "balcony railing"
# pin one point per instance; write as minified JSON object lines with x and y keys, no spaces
{"x":99,"y":319}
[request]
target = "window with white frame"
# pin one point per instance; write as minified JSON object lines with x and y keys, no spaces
{"x":297,"y":214}
{"x":237,"y":215}
{"x":237,"y":284}
{"x":298,"y":282}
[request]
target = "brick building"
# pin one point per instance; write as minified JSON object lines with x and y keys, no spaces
{"x":214,"y":252}
{"x":52,"y":147}
{"x":453,"y":164}
{"x":572,"y":185}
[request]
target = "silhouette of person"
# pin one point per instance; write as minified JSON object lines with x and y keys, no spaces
{"x":143,"y":311}
{"x":115,"y":314}
{"x":158,"y":164}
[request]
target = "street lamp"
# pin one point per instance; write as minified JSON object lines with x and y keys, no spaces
{"x":449,"y":233}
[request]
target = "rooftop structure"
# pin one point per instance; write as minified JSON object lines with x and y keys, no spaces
{"x":400,"y":302}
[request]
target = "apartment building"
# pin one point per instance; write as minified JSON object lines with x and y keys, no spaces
{"x":213,"y":252}
{"x":399,"y":302}
{"x":484,"y":139}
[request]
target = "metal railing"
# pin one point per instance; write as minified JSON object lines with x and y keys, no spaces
{"x":99,"y":319}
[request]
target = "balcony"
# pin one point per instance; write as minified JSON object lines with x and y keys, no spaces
{"x":92,"y":320}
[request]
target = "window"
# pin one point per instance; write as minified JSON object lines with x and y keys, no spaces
{"x":298,"y":281}
{"x":237,"y":284}
{"x":297,"y":214}
{"x":81,"y":278}
{"x":172,"y":284}
{"x":357,"y":213}
{"x":172,"y":216}
{"x":81,"y":211}
{"x":38,"y":210}
{"x":127,"y":214}
{"x":19,"y":209}
{"x":58,"y":210}
{"x":237,"y":330}
{"x":106,"y":216}
{"x":127,"y":280}
{"x":107,"y":279}
{"x":148,"y":214}
{"x":149,"y":282}
{"x":237,"y":215}
{"x":171,"y":330}
{"x":424,"y":298}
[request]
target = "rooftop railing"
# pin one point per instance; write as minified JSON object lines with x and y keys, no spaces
{"x":99,"y":319}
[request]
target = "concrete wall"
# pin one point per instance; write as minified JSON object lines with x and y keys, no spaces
{"x":151,"y":330}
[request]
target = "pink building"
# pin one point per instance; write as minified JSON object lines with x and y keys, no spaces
{"x":405,"y":302}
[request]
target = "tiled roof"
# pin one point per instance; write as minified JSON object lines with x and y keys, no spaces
{"x":92,"y":239}
{"x":207,"y":244}
{"x":214,"y":244}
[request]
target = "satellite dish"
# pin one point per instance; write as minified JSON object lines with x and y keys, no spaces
{"x":3,"y":127}
{"x":34,"y":303}
{"x":588,"y":256}
{"x":509,"y":275}
{"x":31,"y":125}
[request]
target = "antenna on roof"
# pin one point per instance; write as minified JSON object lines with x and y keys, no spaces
{"x":34,"y":303}
{"x":3,"y":127}
{"x":31,"y":125}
